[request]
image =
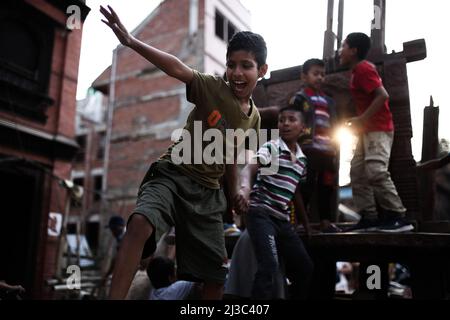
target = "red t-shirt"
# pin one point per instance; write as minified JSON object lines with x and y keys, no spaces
{"x":364,"y":81}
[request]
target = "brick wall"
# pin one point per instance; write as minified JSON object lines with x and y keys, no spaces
{"x":60,"y":122}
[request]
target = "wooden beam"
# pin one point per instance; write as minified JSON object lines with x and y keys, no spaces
{"x":329,"y":37}
{"x":378,"y":27}
{"x":340,"y":23}
{"x":430,"y":143}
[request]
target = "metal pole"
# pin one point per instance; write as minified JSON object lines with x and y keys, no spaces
{"x":330,"y":11}
{"x":378,"y":27}
{"x":62,"y":237}
{"x":340,"y":23}
{"x":328,"y":43}
{"x":109,"y":119}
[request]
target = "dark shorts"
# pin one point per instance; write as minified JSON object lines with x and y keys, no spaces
{"x":170,"y":198}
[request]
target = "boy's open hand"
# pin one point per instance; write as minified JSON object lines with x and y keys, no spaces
{"x":113,"y":21}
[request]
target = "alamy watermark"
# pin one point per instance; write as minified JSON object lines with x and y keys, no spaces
{"x":74,"y":20}
{"x":373,"y":281}
{"x":73,"y":282}
{"x":215,"y":147}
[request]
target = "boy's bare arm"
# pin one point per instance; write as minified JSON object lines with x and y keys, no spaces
{"x":168,"y":63}
{"x":231,"y":181}
{"x":380,"y":96}
{"x":247,"y":176}
{"x":301,"y":211}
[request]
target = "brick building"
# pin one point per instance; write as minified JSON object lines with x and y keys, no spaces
{"x":38,"y":80}
{"x":147,"y":104}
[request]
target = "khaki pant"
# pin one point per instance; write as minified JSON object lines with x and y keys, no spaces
{"x":370,"y":178}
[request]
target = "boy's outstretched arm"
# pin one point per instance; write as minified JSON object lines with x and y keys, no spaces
{"x":168,"y":63}
{"x":301,"y":211}
{"x":231,"y":181}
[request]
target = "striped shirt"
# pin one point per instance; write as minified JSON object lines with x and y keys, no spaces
{"x":322,"y":117}
{"x":275,"y":191}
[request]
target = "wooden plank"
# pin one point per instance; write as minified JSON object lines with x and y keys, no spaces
{"x":351,"y":239}
{"x":419,"y":251}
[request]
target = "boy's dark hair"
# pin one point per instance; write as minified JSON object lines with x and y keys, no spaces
{"x":361,"y":42}
{"x":291,"y":107}
{"x":159,"y":271}
{"x":251,"y":42}
{"x":312,"y":62}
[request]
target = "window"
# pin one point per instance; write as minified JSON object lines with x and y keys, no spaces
{"x":78,"y":182}
{"x":81,"y":154}
{"x":220,"y":21}
{"x":224,"y":28}
{"x":71,"y":228}
{"x":98,"y":184}
{"x":231,"y":31}
{"x":101,"y":146}
{"x":26,"y":35}
{"x":92,"y":235}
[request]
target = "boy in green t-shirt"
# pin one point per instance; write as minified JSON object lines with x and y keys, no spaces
{"x":185,"y":193}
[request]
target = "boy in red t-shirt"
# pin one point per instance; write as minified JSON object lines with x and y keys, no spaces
{"x":370,"y":178}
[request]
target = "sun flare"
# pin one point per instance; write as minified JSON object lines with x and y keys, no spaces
{"x":347,"y":142}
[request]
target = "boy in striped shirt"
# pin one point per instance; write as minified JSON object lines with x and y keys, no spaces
{"x":268,"y":210}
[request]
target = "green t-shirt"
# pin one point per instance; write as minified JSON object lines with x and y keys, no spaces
{"x":216,"y":107}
